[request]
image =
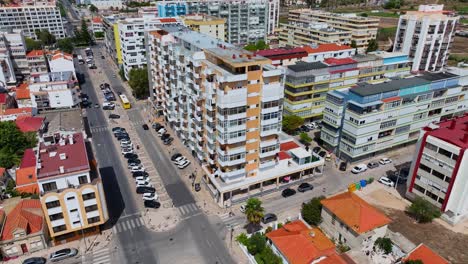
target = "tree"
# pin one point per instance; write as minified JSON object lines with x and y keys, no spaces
{"x":260,"y":45}
{"x":291,"y":123}
{"x":138,"y":81}
{"x":416,"y":261}
{"x":372,"y":45}
{"x":32,"y":44}
{"x":256,"y":244}
{"x":254,"y":211}
{"x":251,"y":47}
{"x":99,"y":35}
{"x":63,"y":12}
{"x":312,"y":211}
{"x":423,"y":211}
{"x":93,"y":9}
{"x":385,"y":244}
{"x":83,"y":36}
{"x":65,"y":45}
{"x":268,"y":257}
{"x":12,"y":144}
{"x":305,"y":138}
{"x":353,"y":44}
{"x":45,"y":37}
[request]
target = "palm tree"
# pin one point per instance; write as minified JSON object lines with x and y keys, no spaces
{"x":254,"y":211}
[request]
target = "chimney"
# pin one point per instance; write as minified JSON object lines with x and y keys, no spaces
{"x":465,"y":138}
{"x":453,"y":123}
{"x":63,"y":156}
{"x":70,"y":139}
{"x":61,"y":169}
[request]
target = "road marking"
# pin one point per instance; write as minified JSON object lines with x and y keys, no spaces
{"x":114,"y":229}
{"x":124,"y":226}
{"x":131,"y":224}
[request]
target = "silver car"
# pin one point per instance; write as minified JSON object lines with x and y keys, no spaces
{"x":63,"y":254}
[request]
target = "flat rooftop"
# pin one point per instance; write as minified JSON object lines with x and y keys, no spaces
{"x":367,"y":89}
{"x":437,"y":76}
{"x":66,"y":120}
{"x":307,"y":66}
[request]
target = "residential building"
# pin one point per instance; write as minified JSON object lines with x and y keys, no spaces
{"x":37,"y":62}
{"x":23,"y":228}
{"x":130,"y":40}
{"x":328,"y":50}
{"x":246,"y":22}
{"x":13,"y":113}
{"x":307,"y":83}
{"x":426,"y":255}
{"x":96,"y":25}
{"x":327,"y":27}
{"x":72,"y":197}
{"x":226,"y":105}
{"x":148,"y":12}
{"x":6,"y":101}
{"x":23,"y":96}
{"x":106,"y":4}
{"x":26,"y":178}
{"x":109,"y":25}
{"x":30,"y":124}
{"x":369,"y":119}
{"x":284,"y":56}
{"x":30,"y":16}
{"x":13,"y":41}
{"x":54,"y":90}
{"x":7,"y":72}
{"x":439,"y":169}
{"x":427,"y":36}
{"x":348,"y":219}
{"x":208,"y":25}
{"x":297,"y":243}
{"x":61,"y":62}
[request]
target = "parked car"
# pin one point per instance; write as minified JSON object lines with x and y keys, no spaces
{"x":359,"y":168}
{"x":316,"y":149}
{"x":197,"y":187}
{"x":168,"y":141}
{"x":152,"y":204}
{"x":343,"y":166}
{"x":386,"y":181}
{"x":134,"y":161}
{"x":175,"y":156}
{"x":126,"y":144}
{"x":268,"y":218}
{"x":150,"y":196}
{"x":179,"y":159}
{"x":322,"y":153}
{"x":127,"y":151}
{"x":164,"y":136}
{"x":144,"y":184}
{"x":132,"y":165}
{"x":35,"y":260}
{"x":328,"y":157}
{"x":157,"y":126}
{"x":242,"y":208}
{"x":139,"y":174}
{"x":142,"y":178}
{"x":288,"y":192}
{"x":145,"y":126}
{"x":137,"y":168}
{"x":123,"y":137}
{"x":114,"y":116}
{"x":161,"y":132}
{"x":304,"y":128}
{"x":184,"y":164}
{"x":63,"y":254}
{"x":141,"y":190}
{"x":131,"y":156}
{"x":303,"y":187}
{"x":372,"y":165}
{"x":115,"y":129}
{"x":311,"y":126}
{"x":384,"y":161}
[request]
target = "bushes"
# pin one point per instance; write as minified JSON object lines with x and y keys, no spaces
{"x":370,"y":180}
{"x":423,"y":211}
{"x":291,"y":123}
{"x":312,"y":211}
{"x":305,"y":139}
{"x":385,"y":244}
{"x":257,"y":247}
{"x":257,"y":244}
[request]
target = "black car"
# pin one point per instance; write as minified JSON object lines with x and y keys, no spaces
{"x":114,"y":129}
{"x":114,"y":116}
{"x":304,"y":129}
{"x":322,"y":153}
{"x":102,"y":57}
{"x":157,"y":126}
{"x":120,"y":134}
{"x":131,"y":156}
{"x":343,"y":166}
{"x":119,"y":138}
{"x":175,"y":156}
{"x":137,"y":161}
{"x":303,"y":187}
{"x":140,"y":174}
{"x":145,"y":126}
{"x":372,"y":165}
{"x":288,"y":192}
{"x":143,"y":189}
{"x":197,"y":187}
{"x":164,"y":136}
{"x":168,"y":141}
{"x":316,"y":149}
{"x":35,"y":260}
{"x":152,"y":204}
{"x":268,"y":218}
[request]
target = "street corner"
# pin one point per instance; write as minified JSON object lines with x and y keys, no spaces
{"x":162,"y":219}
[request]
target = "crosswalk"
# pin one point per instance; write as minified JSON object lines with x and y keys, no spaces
{"x":232,"y":220}
{"x":101,"y":256}
{"x":100,"y":129}
{"x":188,"y":209}
{"x":127,"y":224}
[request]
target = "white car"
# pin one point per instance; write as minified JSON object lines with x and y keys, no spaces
{"x":126,"y":151}
{"x":144,"y":184}
{"x":126,"y":144}
{"x":359,"y":168}
{"x":384,"y":161}
{"x":179,"y":160}
{"x":124,"y":141}
{"x":183,"y":164}
{"x":311,"y":126}
{"x":386,"y":181}
{"x":141,"y":178}
{"x":135,"y":169}
{"x":150,"y":196}
{"x":242,"y":208}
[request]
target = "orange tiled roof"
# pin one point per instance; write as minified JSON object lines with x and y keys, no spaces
{"x":26,"y":176}
{"x":62,"y":55}
{"x":22,"y":94}
{"x":22,"y":86}
{"x":2,"y":171}
{"x":300,"y":244}
{"x":332,"y":259}
{"x":29,"y":123}
{"x":326,"y":48}
{"x":97,"y":20}
{"x":26,"y":215}
{"x":426,"y":255}
{"x":355,"y":212}
{"x":35,"y":53}
{"x":15,"y":111}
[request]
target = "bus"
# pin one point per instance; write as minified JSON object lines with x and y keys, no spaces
{"x":125,"y":102}
{"x":80,"y":59}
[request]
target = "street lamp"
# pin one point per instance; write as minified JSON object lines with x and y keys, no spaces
{"x":82,"y":231}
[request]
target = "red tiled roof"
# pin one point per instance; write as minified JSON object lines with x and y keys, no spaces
{"x":26,"y":180}
{"x":3,"y":98}
{"x":426,"y":255}
{"x":332,"y":259}
{"x":23,"y":94}
{"x":300,"y":244}
{"x":76,"y":158}
{"x":283,"y":155}
{"x":2,"y":171}
{"x":168,"y":20}
{"x":288,"y":145}
{"x":29,"y":159}
{"x":35,"y":53}
{"x":17,"y":111}
{"x":27,"y":215}
{"x":29,"y":123}
{"x":279,"y":53}
{"x":453,"y":136}
{"x":97,"y":20}
{"x":337,"y":61}
{"x":356,"y":213}
{"x":326,"y":48}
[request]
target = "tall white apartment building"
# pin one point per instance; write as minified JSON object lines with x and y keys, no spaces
{"x":369,"y":119}
{"x":426,"y":36}
{"x":30,"y":16}
{"x":54,"y":90}
{"x":13,"y":41}
{"x":225,"y":103}
{"x":72,"y":198}
{"x":130,"y":40}
{"x":106,"y":4}
{"x":7,"y":72}
{"x":246,"y":21}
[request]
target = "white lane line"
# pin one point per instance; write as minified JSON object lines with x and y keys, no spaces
{"x":131,"y":223}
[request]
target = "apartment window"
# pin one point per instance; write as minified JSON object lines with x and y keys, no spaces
{"x":438,"y":174}
{"x":392,"y":104}
{"x":269,"y":148}
{"x":70,"y":198}
{"x":431,"y":146}
{"x":424,"y":97}
{"x":76,"y":222}
{"x":445,"y":152}
{"x":89,"y":196}
{"x":231,"y":123}
{"x":56,"y":216}
{"x":232,"y":111}
{"x":270,"y":116}
{"x":403,"y":129}
{"x":272,"y":104}
{"x":419,"y":188}
{"x":93,"y":220}
{"x":387,"y":124}
{"x":419,"y":116}
{"x":270,"y":127}
{"x":91,"y":208}
{"x":59,"y":228}
{"x":53,"y":204}
{"x":83,"y":179}
{"x":425,"y":168}
{"x":51,"y":186}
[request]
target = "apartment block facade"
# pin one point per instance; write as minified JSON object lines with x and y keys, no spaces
{"x":439,"y":172}
{"x":30,"y":16}
{"x":307,"y":83}
{"x":303,"y":23}
{"x":37,"y":62}
{"x":246,"y":22}
{"x":427,"y":36}
{"x":72,"y":198}
{"x":13,"y":41}
{"x":369,"y":119}
{"x":208,"y":25}
{"x":226,"y":105}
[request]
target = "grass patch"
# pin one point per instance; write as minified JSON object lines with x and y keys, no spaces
{"x":384,"y":33}
{"x":464,"y":21}
{"x":383,"y":14}
{"x":283,"y":20}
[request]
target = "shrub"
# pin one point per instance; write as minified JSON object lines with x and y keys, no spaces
{"x":257,"y":243}
{"x":370,"y":180}
{"x":243,"y":239}
{"x":342,"y":248}
{"x":305,"y":138}
{"x":385,"y":244}
{"x":423,"y":211}
{"x":416,"y":261}
{"x":312,"y":211}
{"x":267,"y":257}
{"x":268,"y":229}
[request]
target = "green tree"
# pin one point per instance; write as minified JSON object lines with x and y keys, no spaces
{"x":261,"y":45}
{"x":385,"y":244}
{"x":312,"y":211}
{"x":257,"y":243}
{"x":65,"y":45}
{"x":254,"y":210}
{"x":364,"y":14}
{"x":93,"y":9}
{"x":99,"y":35}
{"x":372,"y":45}
{"x":32,"y":44}
{"x":251,"y":47}
{"x":353,"y":44}
{"x":12,"y":144}
{"x":305,"y":138}
{"x":423,"y":211}
{"x":416,"y":261}
{"x":45,"y":37}
{"x":84,"y":37}
{"x":268,"y":257}
{"x":243,"y":239}
{"x":291,"y":123}
{"x":63,"y":12}
{"x":138,"y":81}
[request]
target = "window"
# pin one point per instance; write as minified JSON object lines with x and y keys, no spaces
{"x":438,"y":174}
{"x":59,"y":228}
{"x":93,"y":220}
{"x":419,"y":188}
{"x":270,"y":127}
{"x":445,"y":152}
{"x":70,"y":198}
{"x":76,"y":222}
{"x":425,"y":168}
{"x":52,"y":204}
{"x":387,"y":124}
{"x":51,"y":186}
{"x":272,"y":104}
{"x":83,"y":179}
{"x":269,"y":148}
{"x":431,"y":146}
{"x":91,"y":208}
{"x":89,"y":196}
{"x":270,"y":116}
{"x":56,"y":216}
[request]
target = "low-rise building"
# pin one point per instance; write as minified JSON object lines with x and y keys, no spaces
{"x":439,"y":172}
{"x":13,"y":113}
{"x":284,"y":56}
{"x":106,"y":4}
{"x":6,"y":102}
{"x":26,"y":178}
{"x":72,"y":198}
{"x":328,"y":50}
{"x":350,"y":220}
{"x":424,"y":254}
{"x":23,"y":96}
{"x":307,"y":33}
{"x":12,"y":41}
{"x":369,"y":119}
{"x":208,"y":25}
{"x":37,"y":62}
{"x":96,"y":25}
{"x":61,"y":62}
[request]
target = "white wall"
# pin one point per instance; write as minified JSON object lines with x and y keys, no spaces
{"x":61,"y":65}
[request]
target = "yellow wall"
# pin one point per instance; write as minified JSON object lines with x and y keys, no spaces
{"x":117,"y":44}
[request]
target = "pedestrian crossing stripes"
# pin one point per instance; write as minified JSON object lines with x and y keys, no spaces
{"x":127,"y":224}
{"x":101,"y":256}
{"x":98,"y":129}
{"x":188,"y":209}
{"x":232,"y":220}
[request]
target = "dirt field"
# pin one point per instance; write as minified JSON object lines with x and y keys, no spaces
{"x":460,"y":46}
{"x":448,"y":244}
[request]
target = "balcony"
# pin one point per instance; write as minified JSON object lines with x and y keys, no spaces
{"x":233,"y":175}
